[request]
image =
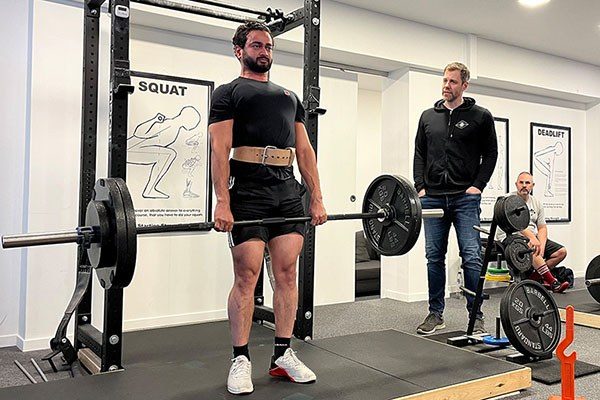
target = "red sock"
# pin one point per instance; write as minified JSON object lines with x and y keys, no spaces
{"x":544,"y":271}
{"x":535,"y":276}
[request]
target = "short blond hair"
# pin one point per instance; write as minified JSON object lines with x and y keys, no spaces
{"x":465,"y":75}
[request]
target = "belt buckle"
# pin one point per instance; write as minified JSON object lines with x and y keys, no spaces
{"x":291,"y":159}
{"x":264,"y":154}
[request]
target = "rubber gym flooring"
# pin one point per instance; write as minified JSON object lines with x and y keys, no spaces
{"x":191,"y":362}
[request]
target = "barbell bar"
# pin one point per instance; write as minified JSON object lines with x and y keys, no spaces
{"x":391,"y":219}
{"x":592,"y":282}
{"x":77,"y":235}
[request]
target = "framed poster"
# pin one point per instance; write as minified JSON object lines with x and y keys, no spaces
{"x":550,"y":164}
{"x":498,"y":184}
{"x":168,"y":152}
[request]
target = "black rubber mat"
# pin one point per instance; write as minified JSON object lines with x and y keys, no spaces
{"x":191,"y":362}
{"x":412,"y":358}
{"x":546,"y":371}
{"x":580,"y":299}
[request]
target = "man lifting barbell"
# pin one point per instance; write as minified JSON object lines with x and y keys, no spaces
{"x":263,"y":122}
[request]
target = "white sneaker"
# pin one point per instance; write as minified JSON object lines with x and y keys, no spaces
{"x":289,"y":366}
{"x":239,"y":380}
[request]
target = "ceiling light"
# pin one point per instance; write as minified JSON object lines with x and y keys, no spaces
{"x":533,"y":3}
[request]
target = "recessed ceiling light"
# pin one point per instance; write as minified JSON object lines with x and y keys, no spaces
{"x":533,"y":3}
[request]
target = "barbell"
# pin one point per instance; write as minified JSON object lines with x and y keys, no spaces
{"x":391,"y":217}
{"x":592,"y":278}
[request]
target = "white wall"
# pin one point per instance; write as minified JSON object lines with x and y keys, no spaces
{"x":368,"y":144}
{"x":14,"y":141}
{"x":373,"y":40}
{"x":591,"y":183}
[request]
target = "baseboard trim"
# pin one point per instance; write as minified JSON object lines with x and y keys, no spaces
{"x":128,"y":326}
{"x":407,"y":298}
{"x":174,"y":320}
{"x":8,"y":340}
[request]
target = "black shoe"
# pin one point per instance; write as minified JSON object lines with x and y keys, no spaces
{"x":432,"y":323}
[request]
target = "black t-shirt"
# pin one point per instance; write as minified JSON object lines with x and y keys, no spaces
{"x":263,"y":115}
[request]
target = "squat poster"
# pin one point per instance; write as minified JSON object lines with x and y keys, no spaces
{"x":168,"y":170}
{"x":550,"y":164}
{"x":498,"y":183}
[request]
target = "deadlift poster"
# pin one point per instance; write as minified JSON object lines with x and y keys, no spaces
{"x":550,"y":164}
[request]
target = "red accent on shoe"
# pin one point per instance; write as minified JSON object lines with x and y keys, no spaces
{"x":560,"y":288}
{"x":280,"y":372}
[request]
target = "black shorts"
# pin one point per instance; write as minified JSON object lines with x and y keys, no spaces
{"x":551,"y":248}
{"x":257,"y":200}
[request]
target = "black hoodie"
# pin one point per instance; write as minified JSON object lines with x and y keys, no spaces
{"x":454,"y":149}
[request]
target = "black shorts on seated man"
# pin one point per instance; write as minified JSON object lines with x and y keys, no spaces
{"x":263,"y":123}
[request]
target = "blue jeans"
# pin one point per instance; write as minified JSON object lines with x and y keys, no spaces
{"x":463,"y":211}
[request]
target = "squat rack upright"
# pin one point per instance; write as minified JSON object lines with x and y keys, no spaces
{"x":107,"y":344}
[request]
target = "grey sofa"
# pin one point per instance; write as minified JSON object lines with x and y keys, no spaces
{"x":367,"y":268}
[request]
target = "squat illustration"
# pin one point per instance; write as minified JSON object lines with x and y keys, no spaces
{"x":150,"y":145}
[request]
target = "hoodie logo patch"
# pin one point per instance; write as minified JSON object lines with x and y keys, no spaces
{"x":462,"y":124}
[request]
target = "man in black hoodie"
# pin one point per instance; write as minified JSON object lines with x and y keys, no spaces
{"x":455,"y":156}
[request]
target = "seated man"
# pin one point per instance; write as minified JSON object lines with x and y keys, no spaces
{"x":547,"y":254}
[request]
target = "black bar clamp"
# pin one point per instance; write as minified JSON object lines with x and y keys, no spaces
{"x":87,"y":236}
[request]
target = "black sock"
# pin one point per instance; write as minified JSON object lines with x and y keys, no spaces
{"x":281,"y":345}
{"x":241,"y":351}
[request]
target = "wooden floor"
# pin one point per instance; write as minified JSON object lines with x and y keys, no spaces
{"x":191,"y":362}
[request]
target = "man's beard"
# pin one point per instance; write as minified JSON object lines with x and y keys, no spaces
{"x":451,"y":97}
{"x":254,"y":66}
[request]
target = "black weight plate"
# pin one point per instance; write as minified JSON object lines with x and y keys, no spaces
{"x":398,"y":233}
{"x":593,"y":272}
{"x":514,"y":246}
{"x":511,"y":213}
{"x":126,"y":266}
{"x":106,"y":190}
{"x":103,"y":252}
{"x":530,"y":318}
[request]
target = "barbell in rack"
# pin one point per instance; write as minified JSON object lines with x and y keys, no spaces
{"x":391,"y":219}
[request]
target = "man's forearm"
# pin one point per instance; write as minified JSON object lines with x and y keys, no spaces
{"x":543,"y":235}
{"x":307,"y":163}
{"x":418,"y":167}
{"x":220,"y":175}
{"x":528,"y":233}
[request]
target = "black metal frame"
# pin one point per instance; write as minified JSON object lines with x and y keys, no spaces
{"x":107,"y":345}
{"x":310,"y":16}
